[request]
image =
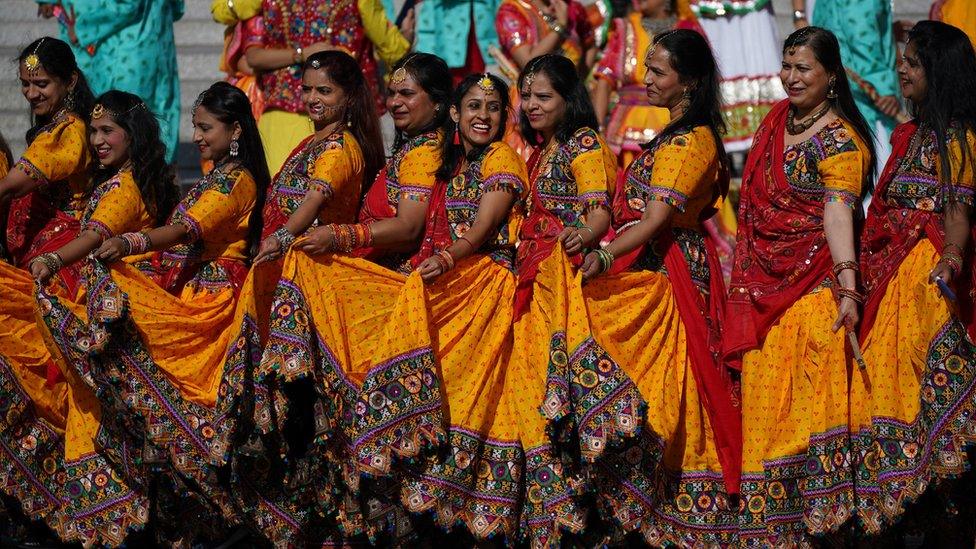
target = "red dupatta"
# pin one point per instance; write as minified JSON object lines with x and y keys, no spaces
{"x":537,"y":241}
{"x":703,"y":322}
{"x":890,"y":233}
{"x":781,"y":251}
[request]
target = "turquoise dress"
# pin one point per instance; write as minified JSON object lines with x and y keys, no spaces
{"x":443,"y":25}
{"x":867,"y":46}
{"x":128,"y":45}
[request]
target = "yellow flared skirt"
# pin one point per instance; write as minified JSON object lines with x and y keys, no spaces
{"x":796,"y":464}
{"x":917,"y":397}
{"x":51,"y":464}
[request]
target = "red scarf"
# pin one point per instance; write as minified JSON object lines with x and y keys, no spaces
{"x":437,"y":232}
{"x":890,"y":233}
{"x":781,"y":251}
{"x":714,"y":382}
{"x":274,"y":218}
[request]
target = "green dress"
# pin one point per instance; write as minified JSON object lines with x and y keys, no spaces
{"x":128,"y":45}
{"x":867,"y":47}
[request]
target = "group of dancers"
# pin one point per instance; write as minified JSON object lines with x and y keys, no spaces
{"x":516,"y":350}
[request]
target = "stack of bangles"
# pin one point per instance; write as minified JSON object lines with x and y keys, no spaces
{"x":849,"y":293}
{"x":285,"y":239}
{"x":606,"y":258}
{"x":445,"y":258}
{"x":136,"y":243}
{"x":953,"y":259}
{"x":51,"y":260}
{"x":351,"y":237}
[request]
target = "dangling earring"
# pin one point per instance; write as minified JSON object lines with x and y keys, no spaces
{"x":831,"y":92}
{"x":348,"y":119}
{"x":234,"y":147}
{"x":69,"y":100}
{"x":457,"y":135}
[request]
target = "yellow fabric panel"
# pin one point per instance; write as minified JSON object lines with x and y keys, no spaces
{"x":281,"y":132}
{"x":228,"y":12}
{"x":186,"y":336}
{"x":390,"y":45}
{"x":501,"y":158}
{"x":223,"y":218}
{"x":844,"y":172}
{"x":61,"y":153}
{"x":595,"y":171}
{"x":417,"y":169}
{"x":342,"y":170}
{"x":121,"y":209}
{"x":961,"y":14}
{"x":796,"y":384}
{"x":634,"y":317}
{"x":962,"y":168}
{"x":910,"y":315}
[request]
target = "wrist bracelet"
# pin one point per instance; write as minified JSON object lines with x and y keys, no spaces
{"x":51,"y":260}
{"x":852,"y":294}
{"x":844,"y":265}
{"x":285,"y":239}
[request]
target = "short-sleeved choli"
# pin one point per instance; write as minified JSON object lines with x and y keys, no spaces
{"x":499,"y":168}
{"x":680,"y":171}
{"x":332,"y":166}
{"x":918,"y":183}
{"x":831,"y":164}
{"x":58,"y":159}
{"x":216,"y":213}
{"x":116,"y":207}
{"x":576,"y":176}
{"x":411,"y":175}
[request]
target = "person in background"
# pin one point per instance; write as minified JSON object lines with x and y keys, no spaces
{"x":244,"y":27}
{"x":621,"y":71}
{"x":295,"y":30}
{"x":127,"y":45}
{"x":958,"y":13}
{"x":460,"y":31}
{"x":743,"y":35}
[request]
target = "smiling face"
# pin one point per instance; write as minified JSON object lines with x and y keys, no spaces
{"x":542,"y":104}
{"x":324,"y":100}
{"x":212,"y":136}
{"x":662,"y":82}
{"x":110,"y":141}
{"x":911,"y":76}
{"x":805,"y":80}
{"x":43,"y":91}
{"x":480,"y":117}
{"x":410,"y":106}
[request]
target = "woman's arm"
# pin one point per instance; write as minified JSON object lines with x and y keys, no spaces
{"x":397,"y":234}
{"x":492,"y":210}
{"x":956,"y":223}
{"x":16,"y":184}
{"x":839,"y":230}
{"x":656,"y":216}
{"x":300,"y":220}
{"x":269,"y":59}
{"x":70,"y":253}
{"x":160,"y":238}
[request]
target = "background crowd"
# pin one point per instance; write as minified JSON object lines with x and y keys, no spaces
{"x":423,"y":389}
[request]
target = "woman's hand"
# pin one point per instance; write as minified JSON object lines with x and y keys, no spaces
{"x":572,"y":240}
{"x":111,"y":250}
{"x":41,"y":272}
{"x":318,"y":241}
{"x":942,"y":270}
{"x":592,"y":266}
{"x":847,"y":315}
{"x":270,"y":249}
{"x":408,"y":27}
{"x":430,"y":269}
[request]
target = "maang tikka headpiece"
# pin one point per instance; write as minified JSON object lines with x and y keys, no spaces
{"x":100,"y":111}
{"x":400,"y":74}
{"x":486,"y":84}
{"x":32,"y":62}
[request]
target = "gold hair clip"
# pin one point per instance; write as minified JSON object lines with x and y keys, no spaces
{"x":32,"y":61}
{"x":486,"y":84}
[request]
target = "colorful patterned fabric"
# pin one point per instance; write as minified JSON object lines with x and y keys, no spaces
{"x":797,"y":460}
{"x":332,"y":166}
{"x":116,"y":207}
{"x":919,"y":386}
{"x":57,"y":159}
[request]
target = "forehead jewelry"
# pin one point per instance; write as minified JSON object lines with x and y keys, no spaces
{"x":100,"y":111}
{"x":400,"y":74}
{"x":529,"y":79}
{"x":315,"y":64}
{"x":486,"y":84}
{"x":197,"y":103}
{"x":32,"y":61}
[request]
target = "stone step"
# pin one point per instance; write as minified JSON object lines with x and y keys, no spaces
{"x":186,"y":33}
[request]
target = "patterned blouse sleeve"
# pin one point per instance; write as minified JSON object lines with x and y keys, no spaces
{"x":678,"y":165}
{"x":963,"y":176}
{"x":331,"y":172}
{"x":56,"y":153}
{"x":504,"y":170}
{"x":842,"y":172}
{"x":416,"y":172}
{"x":253,"y":34}
{"x":222,"y":208}
{"x":590,"y":169}
{"x":119,"y":210}
{"x":513,"y":29}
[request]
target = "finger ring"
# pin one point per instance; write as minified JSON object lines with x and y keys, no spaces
{"x":580,"y":237}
